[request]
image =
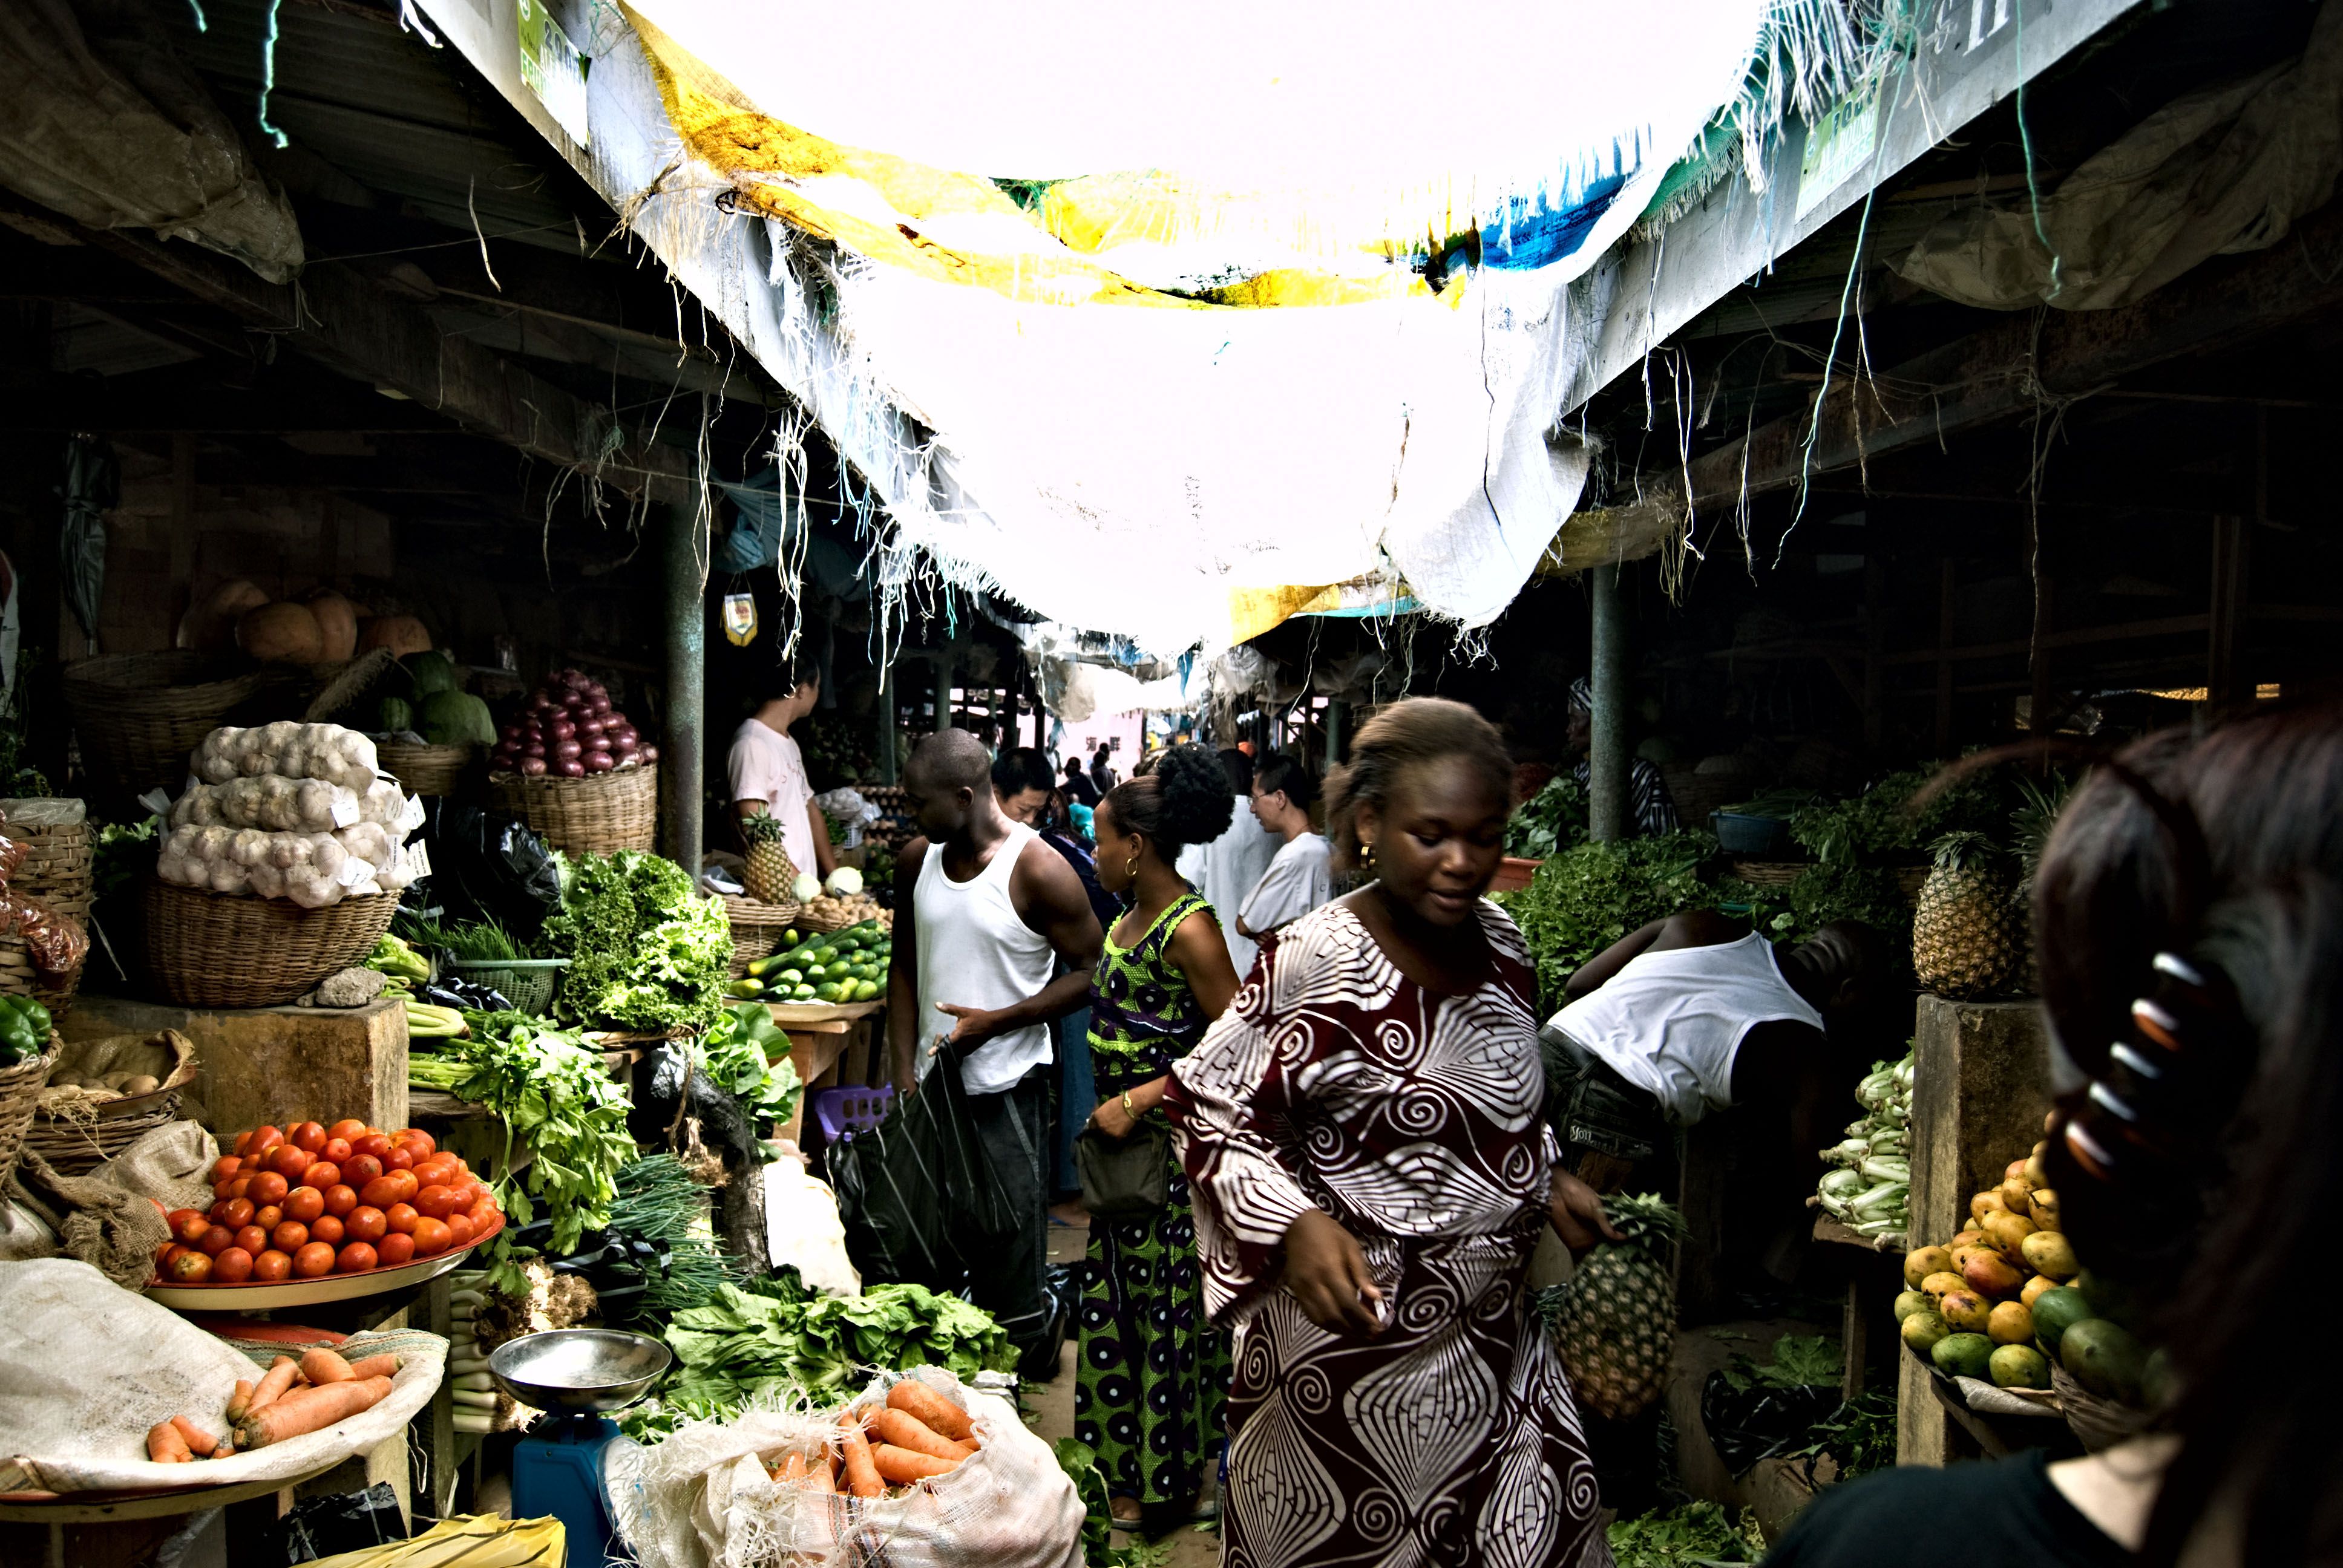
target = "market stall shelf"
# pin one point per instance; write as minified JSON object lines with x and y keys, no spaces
{"x":796,"y":1014}
{"x":258,"y":1298}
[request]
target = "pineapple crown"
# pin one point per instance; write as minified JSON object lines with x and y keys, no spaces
{"x":1965,"y":851}
{"x":760,"y":829}
{"x":1646,"y":1219}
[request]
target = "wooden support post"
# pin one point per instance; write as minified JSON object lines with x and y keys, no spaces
{"x":1948,"y":610}
{"x":1874,"y":642}
{"x":1608,"y":818}
{"x":885,"y":739}
{"x":687,"y":684}
{"x":943,"y":692}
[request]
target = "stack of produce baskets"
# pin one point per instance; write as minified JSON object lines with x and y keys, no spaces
{"x":23,"y":1075}
{"x":56,"y":871}
{"x":601,"y":814}
{"x":139,"y":714}
{"x":228,"y":949}
{"x":424,"y":770}
{"x":756,"y":929}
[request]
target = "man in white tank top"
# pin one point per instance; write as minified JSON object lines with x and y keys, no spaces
{"x":993,"y":911}
{"x":1698,"y":1013}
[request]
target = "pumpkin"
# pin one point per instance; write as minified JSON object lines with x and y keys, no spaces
{"x":337,"y":619}
{"x":402,"y":633}
{"x":281,"y":633}
{"x":207,"y":625}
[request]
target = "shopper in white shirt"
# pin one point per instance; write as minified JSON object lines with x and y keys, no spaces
{"x":1300,"y":876}
{"x":1227,"y":869}
{"x":767,"y":773}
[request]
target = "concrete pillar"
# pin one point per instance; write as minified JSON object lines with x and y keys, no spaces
{"x":943,"y":692}
{"x":684,"y":753}
{"x":1337,"y":713}
{"x":1608,"y":818}
{"x":884,"y":740}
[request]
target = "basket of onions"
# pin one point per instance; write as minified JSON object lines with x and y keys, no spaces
{"x":576,"y":770}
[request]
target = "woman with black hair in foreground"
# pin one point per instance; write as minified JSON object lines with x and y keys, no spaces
{"x":2188,"y":918}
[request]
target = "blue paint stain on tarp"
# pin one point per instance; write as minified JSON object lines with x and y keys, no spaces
{"x":1534,"y":235}
{"x":763,"y":528}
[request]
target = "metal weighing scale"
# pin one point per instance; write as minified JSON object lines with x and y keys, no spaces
{"x":574,"y":1375}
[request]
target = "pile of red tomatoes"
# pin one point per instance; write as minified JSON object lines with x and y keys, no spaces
{"x":308,"y":1200}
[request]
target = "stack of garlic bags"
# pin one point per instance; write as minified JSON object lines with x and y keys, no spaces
{"x":288,"y":810}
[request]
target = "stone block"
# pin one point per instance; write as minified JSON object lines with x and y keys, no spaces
{"x":265,"y":1064}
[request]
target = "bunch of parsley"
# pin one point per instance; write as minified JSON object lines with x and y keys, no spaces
{"x":645,"y":953}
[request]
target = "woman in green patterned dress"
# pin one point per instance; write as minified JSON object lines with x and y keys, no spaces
{"x":1152,"y":1376}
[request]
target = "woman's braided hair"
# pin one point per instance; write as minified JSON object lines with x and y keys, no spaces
{"x":1406,"y":734}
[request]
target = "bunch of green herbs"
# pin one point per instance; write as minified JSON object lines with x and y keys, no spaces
{"x":1692,"y":1536}
{"x":658,"y":1202}
{"x":747,"y":1055}
{"x":1585,"y":899}
{"x":1552,"y":820}
{"x":1079,"y":1461}
{"x":645,"y":953}
{"x":1799,"y":1361}
{"x":1858,"y":1437}
{"x":1882,"y":824}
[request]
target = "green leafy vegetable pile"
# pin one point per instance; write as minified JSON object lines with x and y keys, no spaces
{"x":645,"y":953}
{"x":773,"y":1338}
{"x":1859,"y":1436}
{"x":1697,"y":1533}
{"x":1800,"y":1361}
{"x":658,"y":1202}
{"x":1079,"y":1461}
{"x":1585,"y":899}
{"x":1553,"y":819}
{"x":748,"y":1056}
{"x":1879,"y":824}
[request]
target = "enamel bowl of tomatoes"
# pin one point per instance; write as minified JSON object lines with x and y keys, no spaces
{"x":310,"y":1213}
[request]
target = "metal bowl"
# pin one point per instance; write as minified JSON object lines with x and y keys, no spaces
{"x":579,"y":1369}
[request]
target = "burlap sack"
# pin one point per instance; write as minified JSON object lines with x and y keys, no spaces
{"x":702,"y":1499}
{"x":109,"y":1218}
{"x":87,"y":1368}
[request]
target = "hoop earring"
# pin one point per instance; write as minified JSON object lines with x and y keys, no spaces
{"x":1366,"y":857}
{"x":1130,"y":865}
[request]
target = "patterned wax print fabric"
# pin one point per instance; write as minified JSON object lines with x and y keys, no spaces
{"x":1152,"y":1376}
{"x":1336,"y":1083}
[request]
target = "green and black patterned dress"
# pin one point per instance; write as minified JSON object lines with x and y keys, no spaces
{"x":1153,"y":1376}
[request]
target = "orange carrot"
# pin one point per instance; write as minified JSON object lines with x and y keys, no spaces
{"x":374,"y":1366}
{"x":322,"y":1366}
{"x":931,"y":1409}
{"x":272,"y":1384}
{"x":819,"y":1476}
{"x":902,"y":1466}
{"x":792,"y":1469}
{"x":197,"y":1440}
{"x":312,"y":1410}
{"x":166,"y":1446}
{"x":861,"y":1474}
{"x":905,"y":1429}
{"x":238,"y":1401}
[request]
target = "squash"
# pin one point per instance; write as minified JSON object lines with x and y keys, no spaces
{"x":402,"y":633}
{"x":337,"y":618}
{"x":431,"y":671}
{"x":398,"y":713}
{"x":209,"y":624}
{"x":281,"y":633}
{"x":456,"y":719}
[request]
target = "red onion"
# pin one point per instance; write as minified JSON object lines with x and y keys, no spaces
{"x":540,"y":703}
{"x":650,"y":753}
{"x":508,"y":734}
{"x":599,"y":706}
{"x":562,"y":730}
{"x":624,"y":751}
{"x":570,"y":769}
{"x":534,"y":748}
{"x":590,"y":730}
{"x":534,"y":766}
{"x":597,"y":761}
{"x":566,"y":750}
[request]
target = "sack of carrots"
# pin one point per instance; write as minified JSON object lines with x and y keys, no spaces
{"x":947,"y":1475}
{"x":102,"y":1388}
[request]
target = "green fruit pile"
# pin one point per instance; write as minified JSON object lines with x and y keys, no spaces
{"x":839,"y":967}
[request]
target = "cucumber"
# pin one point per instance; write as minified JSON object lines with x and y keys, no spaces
{"x":865,"y":989}
{"x":791,"y":976}
{"x":826,"y":991}
{"x":745,"y":988}
{"x":803,"y":993}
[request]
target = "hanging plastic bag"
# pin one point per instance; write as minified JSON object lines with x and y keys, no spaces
{"x":486,"y":867}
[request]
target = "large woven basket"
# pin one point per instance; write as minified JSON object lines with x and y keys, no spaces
{"x":74,"y":1148}
{"x":1769,"y":874}
{"x":599,"y":815}
{"x":757,"y":928}
{"x":20,"y":1096}
{"x":56,"y":871}
{"x":423,"y":770}
{"x":220,"y":950}
{"x":140,"y":714}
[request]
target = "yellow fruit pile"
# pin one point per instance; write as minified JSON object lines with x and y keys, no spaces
{"x":1985,"y":1282}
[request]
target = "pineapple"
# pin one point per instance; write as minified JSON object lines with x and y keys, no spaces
{"x":770,"y":874}
{"x":1967,"y":933}
{"x":1614,"y":1322}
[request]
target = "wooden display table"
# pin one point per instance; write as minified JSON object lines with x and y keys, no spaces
{"x":830,"y":1044}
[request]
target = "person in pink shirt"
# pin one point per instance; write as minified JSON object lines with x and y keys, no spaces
{"x":767,"y":774}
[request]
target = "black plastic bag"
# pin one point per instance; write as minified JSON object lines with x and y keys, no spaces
{"x":917,"y":1194}
{"x":487,"y":867}
{"x":1747,"y":1424}
{"x":329,"y":1526}
{"x":659,"y":1078}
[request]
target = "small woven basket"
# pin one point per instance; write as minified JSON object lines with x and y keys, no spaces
{"x":20,"y":1096}
{"x":757,"y":928}
{"x":423,"y":770}
{"x":528,"y":983}
{"x":219,"y":950}
{"x":598,"y":815}
{"x":56,"y":871}
{"x":140,"y":714}
{"x":75,"y":1147}
{"x":1769,"y":874}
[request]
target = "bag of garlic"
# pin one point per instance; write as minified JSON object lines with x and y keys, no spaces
{"x":313,"y":869}
{"x":277,"y":804}
{"x":289,"y":750}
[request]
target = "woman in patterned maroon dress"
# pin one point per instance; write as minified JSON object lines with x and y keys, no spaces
{"x":1370,"y":1173}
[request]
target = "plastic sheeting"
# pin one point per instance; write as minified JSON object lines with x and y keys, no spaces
{"x":102,"y":122}
{"x":1173,"y":352}
{"x":2215,"y":173}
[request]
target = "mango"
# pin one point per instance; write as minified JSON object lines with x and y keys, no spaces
{"x":1910,"y":1302}
{"x":2019,"y":1366}
{"x":1937,"y":1285}
{"x":1966,"y":1310}
{"x":1921,"y":1261}
{"x":2010,"y":1323}
{"x":2008,"y":1232}
{"x":1986,"y":1202}
{"x":1963,"y":1355}
{"x":2042,"y":1208}
{"x":2038,"y":1165}
{"x":1968,"y":1238}
{"x":2015,"y":1192}
{"x":2100,"y":1354}
{"x":1984,"y":1249}
{"x":2048,"y":1253}
{"x":2156,"y":1381}
{"x":1988,"y":1274}
{"x":2055,"y":1310}
{"x":2034,"y":1287}
{"x":2015,"y":1168}
{"x":1922,"y":1330}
